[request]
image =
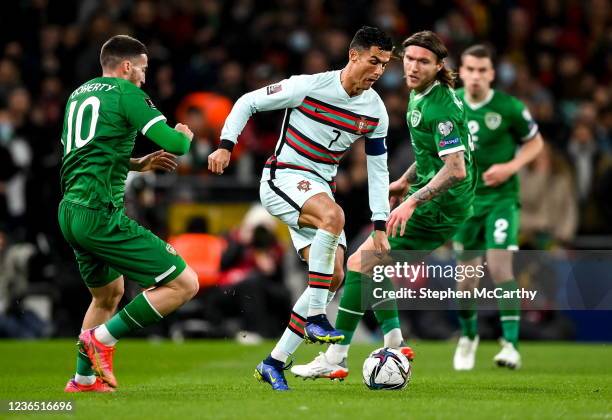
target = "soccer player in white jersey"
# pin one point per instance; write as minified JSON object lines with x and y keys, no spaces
{"x":324,"y":114}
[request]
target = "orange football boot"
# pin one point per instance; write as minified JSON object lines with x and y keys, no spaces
{"x":101,"y":356}
{"x":98,"y":386}
{"x":407,"y":351}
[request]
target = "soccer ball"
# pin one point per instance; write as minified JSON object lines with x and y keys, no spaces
{"x":386,"y":368}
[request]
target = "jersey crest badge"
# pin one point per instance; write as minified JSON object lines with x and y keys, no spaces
{"x":492,"y":120}
{"x":303,"y":186}
{"x":445,"y":128}
{"x":170,"y":249}
{"x":415,"y":118}
{"x":361,"y":125}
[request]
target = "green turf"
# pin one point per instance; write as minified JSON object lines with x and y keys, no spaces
{"x":214,"y":379}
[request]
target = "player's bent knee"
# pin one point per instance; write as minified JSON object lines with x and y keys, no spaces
{"x":195,"y":286}
{"x":190,"y":285}
{"x":333,"y":219}
{"x":186,"y":285}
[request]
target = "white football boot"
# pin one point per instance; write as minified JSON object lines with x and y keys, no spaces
{"x":321,"y":368}
{"x":508,"y":356}
{"x":465,"y":354}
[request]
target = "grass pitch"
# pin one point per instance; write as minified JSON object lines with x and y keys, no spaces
{"x":214,"y":379}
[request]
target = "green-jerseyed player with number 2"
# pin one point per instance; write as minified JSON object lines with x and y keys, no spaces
{"x":101,"y":120}
{"x":499,"y":124}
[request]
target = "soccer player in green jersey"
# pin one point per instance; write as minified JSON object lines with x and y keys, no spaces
{"x":100,"y":124}
{"x":437,"y":192}
{"x":500,"y":125}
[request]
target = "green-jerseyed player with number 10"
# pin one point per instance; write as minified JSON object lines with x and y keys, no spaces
{"x":101,"y":120}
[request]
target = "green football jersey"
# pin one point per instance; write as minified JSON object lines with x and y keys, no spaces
{"x":100,"y":124}
{"x":498,"y":125}
{"x":438,"y":126}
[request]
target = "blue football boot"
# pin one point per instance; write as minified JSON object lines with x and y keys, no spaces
{"x":319,"y":330}
{"x":273,"y":372}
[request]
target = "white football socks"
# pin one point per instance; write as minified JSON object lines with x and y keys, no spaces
{"x":290,"y":341}
{"x":394,"y":338}
{"x":320,"y":269}
{"x":336,"y":353}
{"x":104,"y":336}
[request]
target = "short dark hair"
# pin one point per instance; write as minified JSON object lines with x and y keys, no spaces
{"x":119,"y":48}
{"x":369,"y":36}
{"x":479,"y":51}
{"x":432,"y":42}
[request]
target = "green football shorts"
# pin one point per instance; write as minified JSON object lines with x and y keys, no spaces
{"x":108,"y":244}
{"x":491,"y":227}
{"x":427,"y":229}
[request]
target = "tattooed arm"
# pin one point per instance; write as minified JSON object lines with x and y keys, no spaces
{"x":399,"y":187}
{"x":411,"y":174}
{"x":452,"y":172}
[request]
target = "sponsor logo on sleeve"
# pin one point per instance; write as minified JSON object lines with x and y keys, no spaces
{"x":445,"y":128}
{"x":272,"y":89}
{"x":450,"y":142}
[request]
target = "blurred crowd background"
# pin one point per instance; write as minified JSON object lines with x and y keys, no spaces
{"x":555,"y":55}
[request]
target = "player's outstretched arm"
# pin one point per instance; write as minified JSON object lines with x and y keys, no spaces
{"x":176,"y":141}
{"x":452,"y":172}
{"x":287,"y":93}
{"x":498,"y":174}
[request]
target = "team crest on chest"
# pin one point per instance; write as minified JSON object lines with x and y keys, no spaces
{"x":361,"y":125}
{"x":415,"y":118}
{"x":492,"y":120}
{"x":303,"y":186}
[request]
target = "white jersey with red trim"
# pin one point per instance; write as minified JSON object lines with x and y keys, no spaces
{"x":321,"y":122}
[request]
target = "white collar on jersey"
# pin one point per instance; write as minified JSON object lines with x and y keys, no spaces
{"x":426,"y":91}
{"x":343,"y":93}
{"x":476,"y":105}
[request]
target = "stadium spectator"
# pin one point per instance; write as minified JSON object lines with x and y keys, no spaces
{"x":16,"y":321}
{"x":251,"y":283}
{"x":549,"y":214}
{"x":593,"y":179}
